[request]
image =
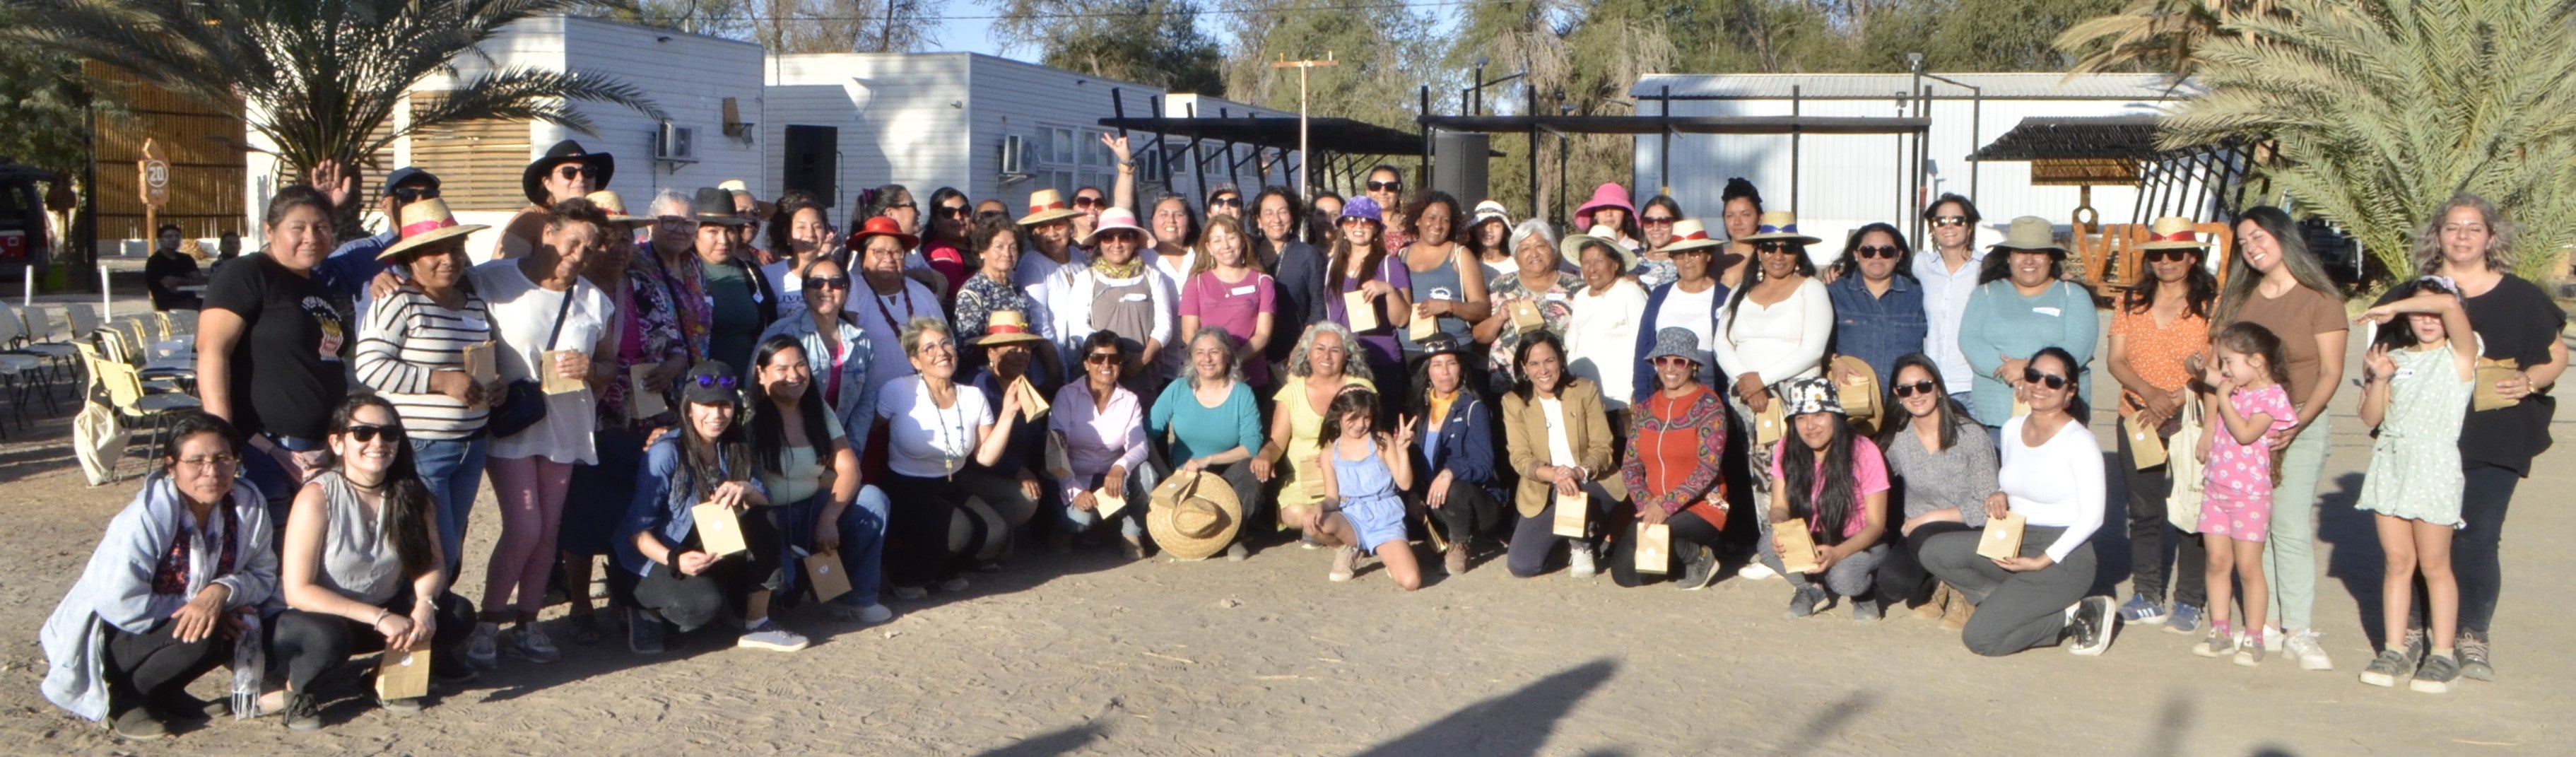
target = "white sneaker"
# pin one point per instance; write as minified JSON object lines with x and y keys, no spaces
{"x":532,"y":642}
{"x":1756,"y":571}
{"x":1578,"y":561}
{"x":2310,"y":653}
{"x":2273,"y":638}
{"x":483,"y":647}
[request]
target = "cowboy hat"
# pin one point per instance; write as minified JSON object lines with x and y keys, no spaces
{"x":424,"y":223}
{"x":1047,"y":206}
{"x":1115,"y":219}
{"x":1778,"y":224}
{"x":1688,"y":234}
{"x":615,"y":205}
{"x":533,"y":184}
{"x":2031,"y":233}
{"x":2173,"y":233}
{"x":1006,"y":327}
{"x":881,"y":226}
{"x":740,"y":189}
{"x":1194,"y":515}
{"x":716,"y":206}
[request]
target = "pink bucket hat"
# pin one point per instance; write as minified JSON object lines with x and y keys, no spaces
{"x":1609,"y":195}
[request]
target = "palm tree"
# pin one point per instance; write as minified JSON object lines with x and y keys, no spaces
{"x":322,"y":79}
{"x":2154,"y":34}
{"x":2382,"y":109}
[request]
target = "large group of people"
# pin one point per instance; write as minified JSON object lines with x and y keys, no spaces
{"x":729,"y":400}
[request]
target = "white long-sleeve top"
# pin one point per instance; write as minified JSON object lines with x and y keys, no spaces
{"x":1784,"y":341}
{"x":2058,"y":483}
{"x":1601,"y":338}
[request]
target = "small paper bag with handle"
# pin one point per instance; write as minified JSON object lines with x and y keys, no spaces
{"x":402,"y":675}
{"x":2002,"y":538}
{"x":1654,"y":548}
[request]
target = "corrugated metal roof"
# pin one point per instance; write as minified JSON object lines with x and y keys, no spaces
{"x":2043,"y":85}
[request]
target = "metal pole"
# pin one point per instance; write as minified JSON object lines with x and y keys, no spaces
{"x":1425,"y":165}
{"x":1535,"y":195}
{"x":1664,"y":171}
{"x":1795,"y":106}
{"x":1198,"y":163}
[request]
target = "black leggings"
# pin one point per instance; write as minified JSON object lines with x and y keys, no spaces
{"x":155,"y":663}
{"x":691,"y":602}
{"x":1902,"y":577}
{"x":310,"y":644}
{"x":1686,"y":527}
{"x":1470,"y":511}
{"x":917,"y":525}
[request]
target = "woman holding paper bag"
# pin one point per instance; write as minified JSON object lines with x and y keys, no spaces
{"x":362,"y":552}
{"x":1676,"y":449}
{"x":1558,"y":437}
{"x":934,"y":428}
{"x":1101,"y":426}
{"x":1774,"y":328}
{"x":1536,"y":295}
{"x":2052,"y":480}
{"x":1943,"y":463}
{"x":1326,"y":362}
{"x":806,"y":465}
{"x":412,"y":350}
{"x":1457,"y":444}
{"x":2159,"y":324}
{"x":1360,"y":272}
{"x":553,"y":328}
{"x":687,"y":574}
{"x":1835,"y":483}
{"x":649,"y":356}
{"x":162,"y":600}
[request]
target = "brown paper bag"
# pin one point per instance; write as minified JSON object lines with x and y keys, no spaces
{"x":1357,"y":309}
{"x":828,"y":578}
{"x":1769,"y":424}
{"x":642,"y":403}
{"x":1797,"y":546}
{"x":1423,"y":327}
{"x":1571,"y":510}
{"x":719,"y":530}
{"x":2490,"y":371}
{"x":554,"y":381}
{"x":2020,"y":408}
{"x":1525,"y":316}
{"x":1858,"y":395}
{"x":1032,"y":403}
{"x":2002,"y":538}
{"x":2143,"y":443}
{"x":1107,"y":503}
{"x":478,"y":363}
{"x":1654,"y":548}
{"x":403,"y":675}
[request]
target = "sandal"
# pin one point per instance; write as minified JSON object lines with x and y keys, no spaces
{"x":586,"y":629}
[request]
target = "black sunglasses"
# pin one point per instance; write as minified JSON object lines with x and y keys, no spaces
{"x":1656,"y":220}
{"x":710,"y":379}
{"x":1940,"y":221}
{"x":1878,"y":251}
{"x":1386,"y":186}
{"x":1103,"y":358}
{"x":411,"y":195}
{"x":365,"y":434}
{"x":954,"y":211}
{"x":828,"y":282}
{"x":575,"y":171}
{"x":1228,"y":201}
{"x":2163,"y":256}
{"x":1771,"y":247}
{"x":902,"y":206}
{"x":1086,"y":202}
{"x":2050,"y":380}
{"x":1920,"y":387}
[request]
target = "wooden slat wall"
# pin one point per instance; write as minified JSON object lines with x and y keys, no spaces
{"x":207,"y":170}
{"x":478,"y":162}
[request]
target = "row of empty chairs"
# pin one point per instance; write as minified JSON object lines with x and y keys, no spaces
{"x":139,"y":365}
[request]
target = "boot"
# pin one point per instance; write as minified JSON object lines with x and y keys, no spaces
{"x":1956,"y":616}
{"x":1932,"y":609}
{"x":1454,"y":559}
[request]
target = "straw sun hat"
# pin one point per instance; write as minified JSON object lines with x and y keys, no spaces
{"x":1194,"y":515}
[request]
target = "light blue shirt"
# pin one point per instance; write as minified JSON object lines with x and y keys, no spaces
{"x":2000,"y":323}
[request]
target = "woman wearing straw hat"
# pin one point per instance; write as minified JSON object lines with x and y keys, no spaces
{"x":1601,"y":328}
{"x":1775,"y":328}
{"x":1048,"y":264}
{"x":1457,"y":448}
{"x":1676,"y":453}
{"x":1010,"y":348}
{"x":565,"y":172}
{"x":411,"y":350}
{"x":1833,"y":480}
{"x":1488,"y":239}
{"x":600,"y":491}
{"x":1212,"y":424}
{"x":1691,"y":300}
{"x":1123,"y":295}
{"x":1538,"y":280}
{"x":1559,"y":439}
{"x":1101,"y":426}
{"x":2159,"y":324}
{"x":2023,"y":304}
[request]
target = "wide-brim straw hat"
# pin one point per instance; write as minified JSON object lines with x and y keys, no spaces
{"x":1194,"y":515}
{"x":1689,"y":234}
{"x":614,"y":204}
{"x":1047,"y":206}
{"x":424,"y":223}
{"x":1778,"y":225}
{"x":2173,"y":233}
{"x":2031,"y":233}
{"x":532,"y":182}
{"x":1116,"y":219}
{"x":1572,"y":247}
{"x":1005,"y":327}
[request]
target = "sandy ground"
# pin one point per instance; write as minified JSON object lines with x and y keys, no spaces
{"x":1087,"y":655}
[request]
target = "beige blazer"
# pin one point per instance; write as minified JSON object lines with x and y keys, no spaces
{"x":1587,"y":432}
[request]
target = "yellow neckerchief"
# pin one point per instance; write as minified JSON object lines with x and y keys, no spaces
{"x":1440,"y":405}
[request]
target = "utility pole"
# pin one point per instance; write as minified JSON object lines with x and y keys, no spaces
{"x":1303,"y":66}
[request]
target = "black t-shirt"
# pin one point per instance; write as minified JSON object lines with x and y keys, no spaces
{"x":164,"y":265}
{"x":2517,"y":321}
{"x":287,"y":370}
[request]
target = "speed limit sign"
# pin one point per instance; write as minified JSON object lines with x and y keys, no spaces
{"x":155,"y":175}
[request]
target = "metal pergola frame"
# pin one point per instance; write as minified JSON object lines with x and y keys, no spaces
{"x":1343,"y":148}
{"x":2165,"y":175}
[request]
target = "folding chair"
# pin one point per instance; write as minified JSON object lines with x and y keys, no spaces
{"x":126,"y":393}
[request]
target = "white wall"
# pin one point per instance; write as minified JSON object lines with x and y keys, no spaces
{"x":902,"y":118}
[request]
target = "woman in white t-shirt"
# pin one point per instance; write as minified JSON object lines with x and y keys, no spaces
{"x":932,"y":431}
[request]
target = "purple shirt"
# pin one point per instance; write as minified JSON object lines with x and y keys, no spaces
{"x":1380,"y":342}
{"x":1235,"y":307}
{"x":1097,"y":439}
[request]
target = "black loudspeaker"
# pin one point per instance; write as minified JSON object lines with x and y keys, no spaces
{"x":814,"y":162}
{"x":1458,"y":164}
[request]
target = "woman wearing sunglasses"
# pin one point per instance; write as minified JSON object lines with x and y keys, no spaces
{"x":1943,"y":466}
{"x":1774,"y":329}
{"x":708,"y":460}
{"x":2052,"y":477}
{"x":2159,"y":324}
{"x":642,"y":374}
{"x":1101,"y":428}
{"x":2023,"y":304}
{"x":1676,"y":454}
{"x":566,"y":172}
{"x":1878,"y":306}
{"x":362,"y":553}
{"x":934,"y":428}
{"x":952,"y":220}
{"x":162,"y":601}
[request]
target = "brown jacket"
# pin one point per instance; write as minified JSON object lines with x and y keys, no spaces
{"x":1587,"y":432}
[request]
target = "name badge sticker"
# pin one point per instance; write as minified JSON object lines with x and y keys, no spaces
{"x":2048,"y":311}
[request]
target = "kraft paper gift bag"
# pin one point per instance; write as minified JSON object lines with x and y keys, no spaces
{"x":554,"y":381}
{"x":2490,"y":371}
{"x":719,"y":529}
{"x":1654,"y":548}
{"x":2143,"y":444}
{"x":478,"y":363}
{"x":1359,"y":311}
{"x":1770,"y":423}
{"x":1797,"y":547}
{"x":1571,"y":510}
{"x":403,"y":675}
{"x":1423,"y":327}
{"x":641,"y":403}
{"x":827,"y":576}
{"x":1525,"y":316}
{"x":1032,"y":403}
{"x":1109,"y":503}
{"x":2002,"y":537}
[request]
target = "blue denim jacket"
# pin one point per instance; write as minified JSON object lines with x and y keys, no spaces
{"x":663,"y":496}
{"x":1878,"y":330}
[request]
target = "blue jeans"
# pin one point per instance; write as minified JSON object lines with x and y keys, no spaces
{"x":274,"y":484}
{"x":863,"y":530}
{"x":453,"y":470}
{"x":1131,"y":521}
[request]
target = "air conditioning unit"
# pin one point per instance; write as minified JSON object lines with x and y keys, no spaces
{"x":675,"y":143}
{"x":1015,"y":156}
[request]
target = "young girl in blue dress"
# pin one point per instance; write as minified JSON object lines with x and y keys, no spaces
{"x":1368,"y":474}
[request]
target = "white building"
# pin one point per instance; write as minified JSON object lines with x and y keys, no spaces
{"x":1845,"y":181}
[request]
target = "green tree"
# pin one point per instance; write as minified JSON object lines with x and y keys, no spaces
{"x":2384,"y":108}
{"x":2156,"y":35}
{"x":321,"y":79}
{"x":1153,"y":42}
{"x":44,"y":107}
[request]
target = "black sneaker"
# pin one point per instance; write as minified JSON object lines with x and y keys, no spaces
{"x":2092,"y":629}
{"x":644,"y":633}
{"x":176,"y":706}
{"x":303,"y":713}
{"x":2439,"y":674}
{"x":1806,"y":602}
{"x":139,"y":724}
{"x":1701,"y":570}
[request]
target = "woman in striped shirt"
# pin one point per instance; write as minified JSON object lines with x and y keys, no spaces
{"x":411,"y":350}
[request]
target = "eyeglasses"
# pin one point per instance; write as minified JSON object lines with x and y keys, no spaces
{"x":210,"y":464}
{"x":943,"y":345}
{"x":1908,"y":390}
{"x":2050,"y":380}
{"x":411,"y":195}
{"x":1673,"y":360}
{"x":710,"y":380}
{"x":1385,"y":186}
{"x":1228,"y":201}
{"x":903,"y":206}
{"x":365,"y":434}
{"x":1940,"y":221}
{"x":1656,"y":220}
{"x":2168,"y":256}
{"x":1086,"y":203}
{"x":1877,"y":251}
{"x":676,"y":222}
{"x":575,"y":171}
{"x":955,"y":212}
{"x":1102,"y":358}
{"x":835,"y":283}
